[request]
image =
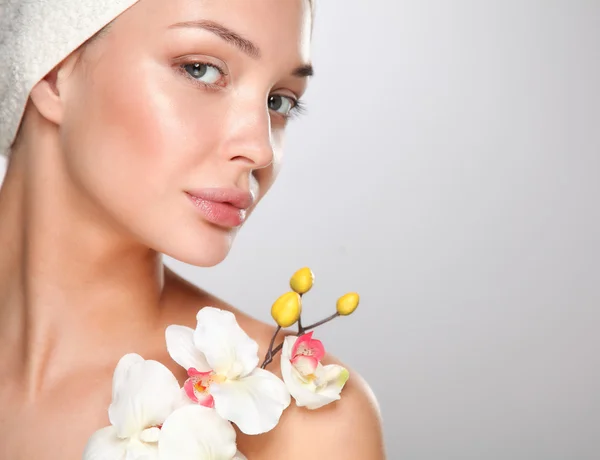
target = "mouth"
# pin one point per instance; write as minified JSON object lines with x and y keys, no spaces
{"x":223,"y":207}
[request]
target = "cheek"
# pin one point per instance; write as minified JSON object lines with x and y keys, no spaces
{"x":133,"y":134}
{"x":139,"y":124}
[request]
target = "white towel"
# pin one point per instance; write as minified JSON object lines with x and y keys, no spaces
{"x":35,"y":36}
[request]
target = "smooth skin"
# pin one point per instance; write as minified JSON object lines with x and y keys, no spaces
{"x":95,"y":193}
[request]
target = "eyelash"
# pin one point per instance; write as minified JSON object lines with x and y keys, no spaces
{"x":298,"y":109}
{"x":298,"y":106}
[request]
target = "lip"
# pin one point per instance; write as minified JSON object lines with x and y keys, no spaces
{"x":226,"y":207}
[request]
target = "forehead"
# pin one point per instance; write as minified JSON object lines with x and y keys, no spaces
{"x":275,"y":26}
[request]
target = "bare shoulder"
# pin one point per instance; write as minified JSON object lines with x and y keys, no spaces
{"x":349,"y":429}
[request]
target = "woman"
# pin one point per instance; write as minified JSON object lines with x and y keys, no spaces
{"x":159,"y":135}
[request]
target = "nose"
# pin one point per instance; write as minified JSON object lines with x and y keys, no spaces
{"x":249,"y":141}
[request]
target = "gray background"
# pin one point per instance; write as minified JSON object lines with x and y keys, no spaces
{"x":448,"y":171}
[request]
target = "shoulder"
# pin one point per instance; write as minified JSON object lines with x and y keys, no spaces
{"x":348,"y":429}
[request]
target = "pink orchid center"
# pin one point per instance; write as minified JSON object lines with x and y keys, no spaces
{"x":307,"y":353}
{"x":307,"y":346}
{"x":197,"y":386}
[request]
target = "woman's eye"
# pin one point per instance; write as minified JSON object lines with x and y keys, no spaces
{"x":281,"y":104}
{"x":206,"y":73}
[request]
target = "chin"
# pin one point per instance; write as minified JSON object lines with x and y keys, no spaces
{"x":205,"y":249}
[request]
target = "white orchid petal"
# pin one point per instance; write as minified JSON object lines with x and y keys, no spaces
{"x":105,"y":445}
{"x":138,"y":450}
{"x":194,"y":433}
{"x":321,"y":399}
{"x":150,"y":434}
{"x":286,"y":351}
{"x":334,"y":377}
{"x":121,"y":369}
{"x":239,"y":456}
{"x":228,"y":349}
{"x":145,"y":394}
{"x":254,"y":403}
{"x":180,"y":345}
{"x":306,"y":394}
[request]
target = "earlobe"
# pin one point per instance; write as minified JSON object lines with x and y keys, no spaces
{"x":45,"y":96}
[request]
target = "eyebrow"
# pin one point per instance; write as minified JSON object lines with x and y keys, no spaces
{"x":238,"y":41}
{"x":226,"y":34}
{"x":304,"y":71}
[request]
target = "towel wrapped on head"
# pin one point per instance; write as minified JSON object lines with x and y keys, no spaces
{"x":35,"y":36}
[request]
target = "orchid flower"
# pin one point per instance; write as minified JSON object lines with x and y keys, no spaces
{"x":221,"y":361}
{"x":153,"y":420}
{"x":197,"y":433}
{"x":144,"y":394}
{"x":310,"y":383}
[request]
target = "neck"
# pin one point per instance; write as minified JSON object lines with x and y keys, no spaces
{"x":67,"y":272}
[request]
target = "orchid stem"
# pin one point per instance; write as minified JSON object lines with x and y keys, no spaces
{"x":323,"y":321}
{"x":300,"y":328}
{"x":270,"y":353}
{"x":276,"y":350}
{"x":301,"y":331}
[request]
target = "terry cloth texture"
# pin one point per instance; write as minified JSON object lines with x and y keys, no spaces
{"x":35,"y":36}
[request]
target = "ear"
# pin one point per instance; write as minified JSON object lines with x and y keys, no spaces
{"x":46,"y":95}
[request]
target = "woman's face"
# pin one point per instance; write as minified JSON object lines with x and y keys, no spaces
{"x":174,"y":120}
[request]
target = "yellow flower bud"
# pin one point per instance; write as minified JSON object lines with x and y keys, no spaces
{"x":347,"y":303}
{"x":302,"y":280}
{"x":286,"y":309}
